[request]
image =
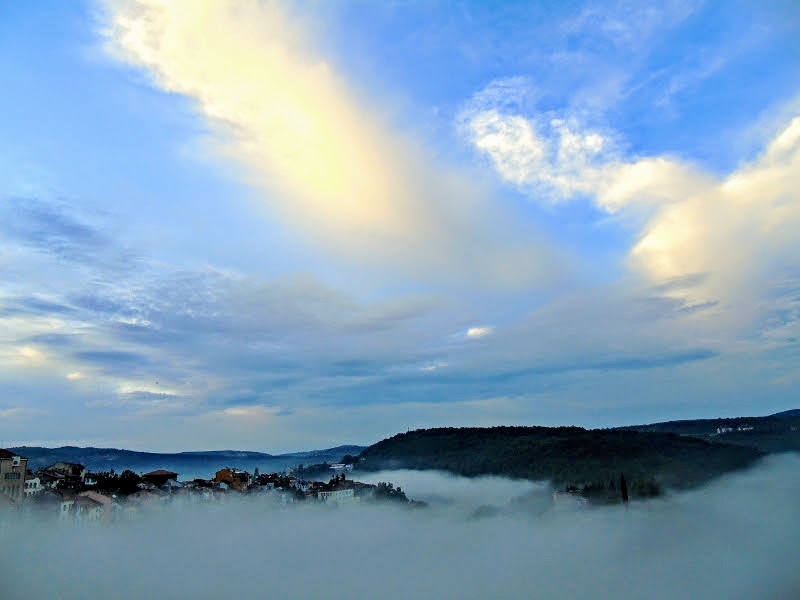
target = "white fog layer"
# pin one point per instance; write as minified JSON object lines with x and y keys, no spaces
{"x":459,"y":494}
{"x":737,"y":538}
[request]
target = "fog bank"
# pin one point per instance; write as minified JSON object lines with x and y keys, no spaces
{"x":443,"y":490}
{"x":737,"y":538}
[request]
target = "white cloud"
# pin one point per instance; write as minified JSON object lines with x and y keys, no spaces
{"x":741,"y":229}
{"x":552,"y":160}
{"x":738,"y":229}
{"x":511,"y":143}
{"x":479,"y":332}
{"x":31,"y":354}
{"x":433,"y":367}
{"x":248,"y":412}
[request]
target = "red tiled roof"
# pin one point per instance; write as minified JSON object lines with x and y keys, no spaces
{"x":160,"y":472}
{"x":6,"y":454}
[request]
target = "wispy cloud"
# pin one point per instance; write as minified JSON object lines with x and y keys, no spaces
{"x":327,"y":163}
{"x":53,"y":228}
{"x":736,"y":229}
{"x":626,"y":24}
{"x":19,"y":412}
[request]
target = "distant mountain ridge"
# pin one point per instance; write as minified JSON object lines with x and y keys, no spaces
{"x":186,"y":464}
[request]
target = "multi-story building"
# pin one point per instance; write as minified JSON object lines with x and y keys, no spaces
{"x":33,"y":485}
{"x":72,"y":474}
{"x":12,"y":475}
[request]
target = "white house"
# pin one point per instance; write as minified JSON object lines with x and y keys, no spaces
{"x":33,"y":485}
{"x":338,"y":497}
{"x":341,"y":467}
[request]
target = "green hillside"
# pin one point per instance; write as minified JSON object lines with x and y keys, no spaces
{"x":567,"y":456}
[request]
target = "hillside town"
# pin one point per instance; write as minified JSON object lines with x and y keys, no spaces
{"x":69,"y":492}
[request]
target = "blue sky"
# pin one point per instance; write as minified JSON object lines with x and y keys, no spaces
{"x":283,"y":226}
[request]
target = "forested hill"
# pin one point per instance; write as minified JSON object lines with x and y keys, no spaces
{"x":563,"y":455}
{"x":774,"y":433}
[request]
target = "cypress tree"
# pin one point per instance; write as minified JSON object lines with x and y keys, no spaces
{"x":623,"y":488}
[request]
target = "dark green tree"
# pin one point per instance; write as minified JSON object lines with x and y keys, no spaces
{"x":129,"y":482}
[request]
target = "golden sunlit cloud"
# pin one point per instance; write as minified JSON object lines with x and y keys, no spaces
{"x":737,"y":229}
{"x":30,"y":353}
{"x":29,"y":357}
{"x":327,"y":164}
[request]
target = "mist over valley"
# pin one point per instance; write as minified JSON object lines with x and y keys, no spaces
{"x":709,"y":543}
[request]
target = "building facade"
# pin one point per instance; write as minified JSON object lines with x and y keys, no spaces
{"x":13,"y":469}
{"x":341,"y":496}
{"x":33,"y":485}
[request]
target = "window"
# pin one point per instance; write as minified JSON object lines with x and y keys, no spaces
{"x":13,"y":475}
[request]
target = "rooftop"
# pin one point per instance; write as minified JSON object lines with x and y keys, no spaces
{"x":87,"y":502}
{"x":97,"y":497}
